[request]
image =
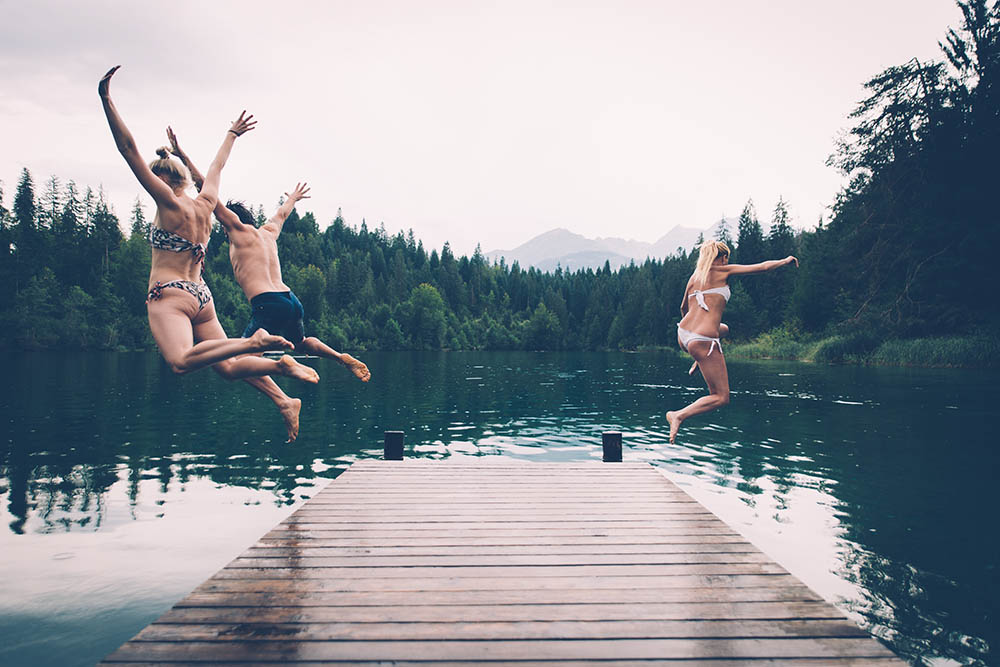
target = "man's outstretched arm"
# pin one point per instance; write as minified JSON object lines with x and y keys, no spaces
{"x":277,"y":221}
{"x":175,"y":148}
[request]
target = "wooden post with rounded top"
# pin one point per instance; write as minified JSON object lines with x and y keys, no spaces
{"x":612,"y":441}
{"x":393,"y":446}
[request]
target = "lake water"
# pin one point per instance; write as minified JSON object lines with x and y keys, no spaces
{"x":122,"y":486}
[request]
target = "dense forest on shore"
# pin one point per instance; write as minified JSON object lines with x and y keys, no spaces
{"x":904,"y":254}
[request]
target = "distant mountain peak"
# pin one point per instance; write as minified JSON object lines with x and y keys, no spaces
{"x":562,"y":247}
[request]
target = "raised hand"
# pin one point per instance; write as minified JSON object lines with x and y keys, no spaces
{"x":243,"y":124}
{"x":300,"y":192}
{"x":790,"y":259}
{"x":103,"y":88}
{"x":174,"y":146}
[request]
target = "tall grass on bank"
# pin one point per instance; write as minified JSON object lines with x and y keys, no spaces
{"x":778,"y":343}
{"x":965,"y":351}
{"x":970,"y":351}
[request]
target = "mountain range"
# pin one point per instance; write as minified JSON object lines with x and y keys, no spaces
{"x":561,"y":247}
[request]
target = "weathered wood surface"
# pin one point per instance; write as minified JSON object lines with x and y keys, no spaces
{"x":426,"y":562}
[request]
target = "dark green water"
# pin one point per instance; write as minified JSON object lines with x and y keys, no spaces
{"x":123,"y":486}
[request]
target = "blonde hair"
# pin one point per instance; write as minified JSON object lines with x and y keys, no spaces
{"x":175,"y":173}
{"x":708,"y":251}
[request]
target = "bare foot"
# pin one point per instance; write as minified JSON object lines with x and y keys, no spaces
{"x":293,"y":369}
{"x":356,"y":367}
{"x":694,"y":365}
{"x":261,"y":341}
{"x":675,"y":423}
{"x":290,"y":413}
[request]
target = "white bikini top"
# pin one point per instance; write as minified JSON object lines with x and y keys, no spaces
{"x":699,"y":295}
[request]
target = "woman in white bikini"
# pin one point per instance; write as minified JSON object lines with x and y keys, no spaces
{"x":179,"y":303}
{"x":699,"y":330}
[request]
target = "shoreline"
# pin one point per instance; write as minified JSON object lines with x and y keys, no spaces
{"x":863,"y":349}
{"x":968,"y":351}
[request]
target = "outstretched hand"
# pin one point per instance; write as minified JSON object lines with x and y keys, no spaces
{"x":300,"y":192}
{"x":103,"y":88}
{"x":243,"y":124}
{"x":792,"y":258}
{"x":174,"y":146}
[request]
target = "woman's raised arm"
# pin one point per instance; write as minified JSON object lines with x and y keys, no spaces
{"x":210,"y":188}
{"x":769,"y":265}
{"x":160,"y":191}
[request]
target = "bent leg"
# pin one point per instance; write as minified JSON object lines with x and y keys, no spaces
{"x":172,"y":319}
{"x":287,"y":406}
{"x":321,"y":349}
{"x":713,"y":369}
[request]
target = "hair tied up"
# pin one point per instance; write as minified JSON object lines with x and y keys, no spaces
{"x":163,"y":152}
{"x":707,"y":252}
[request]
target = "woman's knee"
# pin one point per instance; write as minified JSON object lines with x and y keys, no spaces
{"x":179,"y":366}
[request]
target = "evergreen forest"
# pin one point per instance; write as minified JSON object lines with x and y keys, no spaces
{"x":904,"y":253}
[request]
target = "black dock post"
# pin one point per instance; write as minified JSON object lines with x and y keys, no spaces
{"x":393,"y":446}
{"x":612,"y":446}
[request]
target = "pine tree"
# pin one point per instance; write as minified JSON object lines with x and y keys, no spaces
{"x":139,"y":224}
{"x":71,"y":217}
{"x":107,"y":233}
{"x":89,"y":205}
{"x":722,"y":233}
{"x":780,"y":239}
{"x":49,"y":205}
{"x":4,"y":213}
{"x":779,"y":284}
{"x":24,"y":203}
{"x":750,"y":243}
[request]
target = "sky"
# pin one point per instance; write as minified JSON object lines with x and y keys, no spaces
{"x":468,"y":122}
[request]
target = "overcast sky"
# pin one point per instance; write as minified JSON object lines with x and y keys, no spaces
{"x":467,"y":121}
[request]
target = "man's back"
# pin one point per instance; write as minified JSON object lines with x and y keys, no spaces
{"x":254,"y":255}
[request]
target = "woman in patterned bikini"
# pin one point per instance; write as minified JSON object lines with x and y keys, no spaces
{"x":699,"y":330}
{"x":181,"y":312}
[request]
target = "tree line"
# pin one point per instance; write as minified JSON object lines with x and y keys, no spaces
{"x":78,"y":281}
{"x":904,"y":252}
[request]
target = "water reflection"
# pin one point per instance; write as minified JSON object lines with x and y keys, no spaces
{"x":870,"y":484}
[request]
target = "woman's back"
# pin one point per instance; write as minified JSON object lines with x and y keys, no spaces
{"x":705,"y":303}
{"x":179,"y":249}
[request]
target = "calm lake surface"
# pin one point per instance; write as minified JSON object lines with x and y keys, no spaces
{"x":122,"y":486}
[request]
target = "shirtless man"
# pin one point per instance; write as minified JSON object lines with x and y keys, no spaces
{"x":253,"y":252}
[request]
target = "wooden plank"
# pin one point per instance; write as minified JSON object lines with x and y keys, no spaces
{"x":527,"y":524}
{"x":417,"y":534}
{"x":633,"y":595}
{"x":435,"y":514}
{"x":516,"y":571}
{"x":267,"y":550}
{"x":563,"y":560}
{"x":485,"y":583}
{"x":460,"y":522}
{"x":501,"y":541}
{"x":500,"y":630}
{"x":511,"y":612}
{"x":582,"y":649}
{"x":686,"y":662}
{"x":486,"y":505}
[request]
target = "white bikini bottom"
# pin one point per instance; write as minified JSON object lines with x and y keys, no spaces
{"x":684,"y":337}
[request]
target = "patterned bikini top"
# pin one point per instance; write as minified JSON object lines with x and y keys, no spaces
{"x":164,"y":240}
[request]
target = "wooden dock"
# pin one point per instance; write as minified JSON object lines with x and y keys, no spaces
{"x":434,"y":562}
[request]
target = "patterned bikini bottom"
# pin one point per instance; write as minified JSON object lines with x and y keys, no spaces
{"x":199,"y":291}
